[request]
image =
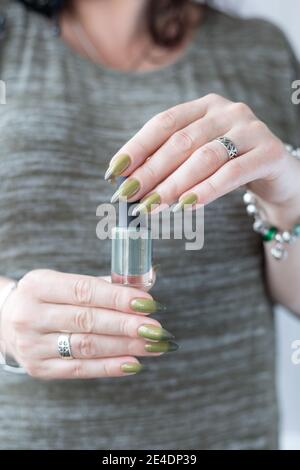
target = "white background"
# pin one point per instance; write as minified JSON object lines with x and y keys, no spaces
{"x":287,"y":15}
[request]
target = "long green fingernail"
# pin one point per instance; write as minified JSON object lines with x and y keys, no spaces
{"x":117,"y":167}
{"x":126,"y":190}
{"x":161,"y":347}
{"x":131,"y":367}
{"x":146,"y":306}
{"x":188,"y":200}
{"x":148,"y":204}
{"x":154,"y":332}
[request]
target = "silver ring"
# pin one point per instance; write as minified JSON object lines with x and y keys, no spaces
{"x":230,"y":147}
{"x":64,"y":346}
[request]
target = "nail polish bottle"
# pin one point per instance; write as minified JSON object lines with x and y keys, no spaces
{"x":131,"y":258}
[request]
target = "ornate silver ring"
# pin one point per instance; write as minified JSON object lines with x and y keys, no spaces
{"x":230,"y":147}
{"x":64,"y":346}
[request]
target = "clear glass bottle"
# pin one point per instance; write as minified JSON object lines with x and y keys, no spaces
{"x":131,"y":257}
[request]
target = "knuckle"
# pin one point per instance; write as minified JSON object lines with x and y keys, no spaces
{"x":23,"y":346}
{"x":241,"y":108}
{"x":166,"y":119}
{"x":125,"y":327}
{"x":84,"y":291}
{"x":258,"y":126}
{"x":106,"y":370}
{"x":119,"y":297}
{"x":134,"y":346}
{"x":213,"y":97}
{"x":84,"y":320}
{"x":77,"y":370}
{"x":86,"y":346}
{"x":141,"y":146}
{"x":30,"y":279}
{"x":171,"y":190}
{"x":149,"y":171}
{"x":212,"y":154}
{"x":237,"y":171}
{"x":19,"y":320}
{"x":182,"y":141}
{"x":275,"y":149}
{"x":212,"y":188}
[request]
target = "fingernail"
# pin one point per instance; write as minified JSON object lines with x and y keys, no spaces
{"x":147,"y":204}
{"x":131,"y":367}
{"x":146,"y":306}
{"x":126,"y":190}
{"x":161,"y":347}
{"x":188,"y":200}
{"x":117,"y":167}
{"x":154,"y":332}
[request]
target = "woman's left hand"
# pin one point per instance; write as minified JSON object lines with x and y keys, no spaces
{"x":175,"y":157}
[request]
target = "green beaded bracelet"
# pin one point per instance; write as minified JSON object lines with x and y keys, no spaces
{"x":268,"y":232}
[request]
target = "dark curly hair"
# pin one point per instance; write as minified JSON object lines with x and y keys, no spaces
{"x":168,"y":21}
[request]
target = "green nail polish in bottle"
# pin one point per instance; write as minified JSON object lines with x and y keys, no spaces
{"x":131,"y":255}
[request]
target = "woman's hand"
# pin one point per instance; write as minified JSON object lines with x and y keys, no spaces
{"x":107,"y":323}
{"x":187,"y":163}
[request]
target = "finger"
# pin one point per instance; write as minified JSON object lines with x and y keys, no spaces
{"x":177,"y":150}
{"x":158,"y":129}
{"x":61,"y":288}
{"x":228,"y":178}
{"x":90,"y":346}
{"x":66,"y":318}
{"x":88,"y":369}
{"x":203,"y":163}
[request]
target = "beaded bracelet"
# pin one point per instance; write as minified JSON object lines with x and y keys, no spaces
{"x":295,"y":152}
{"x":269,"y":232}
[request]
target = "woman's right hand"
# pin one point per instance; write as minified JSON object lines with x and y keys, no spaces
{"x":107,"y":322}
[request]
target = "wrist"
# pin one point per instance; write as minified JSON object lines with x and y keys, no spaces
{"x":280,"y":197}
{"x":283,"y":216}
{"x":270,"y":224}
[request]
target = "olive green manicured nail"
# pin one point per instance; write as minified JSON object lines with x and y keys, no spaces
{"x":131,"y":367}
{"x":154,"y":332}
{"x":188,"y":200}
{"x":147,"y":204}
{"x":161,"y":347}
{"x":126,"y":190}
{"x":146,"y":306}
{"x":118,"y":166}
